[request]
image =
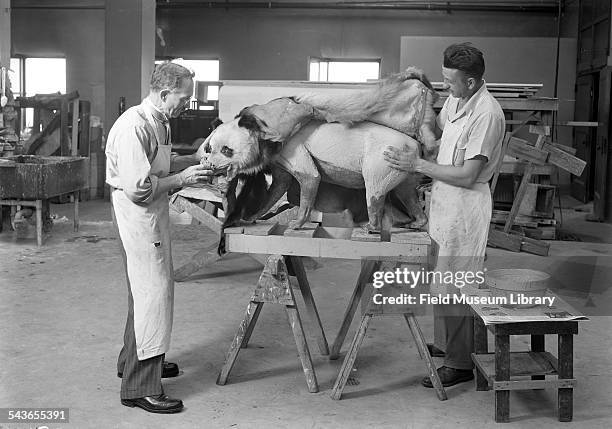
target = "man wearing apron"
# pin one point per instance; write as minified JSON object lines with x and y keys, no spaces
{"x":472,"y":124}
{"x":137,"y":169}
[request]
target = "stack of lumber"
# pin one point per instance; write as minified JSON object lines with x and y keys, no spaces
{"x":501,"y":90}
{"x":514,"y":236}
{"x":536,"y":211}
{"x":542,"y":228}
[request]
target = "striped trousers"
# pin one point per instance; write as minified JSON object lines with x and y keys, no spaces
{"x":140,"y":377}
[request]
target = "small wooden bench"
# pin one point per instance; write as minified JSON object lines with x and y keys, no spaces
{"x":503,"y":370}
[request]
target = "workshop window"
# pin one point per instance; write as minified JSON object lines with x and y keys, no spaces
{"x":207,"y":72}
{"x":15,"y":76}
{"x":343,"y":70}
{"x":42,"y":76}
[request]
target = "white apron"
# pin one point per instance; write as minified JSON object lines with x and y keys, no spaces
{"x":145,"y":234}
{"x":458,"y":217}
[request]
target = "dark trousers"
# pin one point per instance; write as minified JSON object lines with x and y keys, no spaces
{"x":454,"y":333}
{"x":140,"y":377}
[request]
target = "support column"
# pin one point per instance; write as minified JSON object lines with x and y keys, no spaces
{"x":610,"y":45}
{"x":130,"y":53}
{"x":5,"y":33}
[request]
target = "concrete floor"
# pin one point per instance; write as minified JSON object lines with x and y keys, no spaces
{"x":63,"y":306}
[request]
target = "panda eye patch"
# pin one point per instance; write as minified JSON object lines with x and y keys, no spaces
{"x":227,"y":151}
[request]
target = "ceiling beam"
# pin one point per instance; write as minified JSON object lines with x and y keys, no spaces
{"x":542,"y":6}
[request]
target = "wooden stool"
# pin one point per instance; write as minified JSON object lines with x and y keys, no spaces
{"x":498,"y":370}
{"x":274,"y":287}
{"x":368,"y":267}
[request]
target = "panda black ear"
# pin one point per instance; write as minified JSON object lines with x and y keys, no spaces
{"x":215,"y":123}
{"x":255,"y":124}
{"x":251,"y":122}
{"x":244,"y":111}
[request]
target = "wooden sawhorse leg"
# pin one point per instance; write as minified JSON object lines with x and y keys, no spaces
{"x":351,"y":355}
{"x":202,"y":258}
{"x":207,"y":255}
{"x":367,"y":269}
{"x":273,"y":287}
{"x":349,"y":359}
{"x":295,"y":265}
{"x":251,"y":325}
{"x":246,"y":326}
{"x":419,"y":339}
{"x":300,"y":341}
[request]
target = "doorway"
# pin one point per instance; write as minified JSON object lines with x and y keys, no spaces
{"x":587,"y":95}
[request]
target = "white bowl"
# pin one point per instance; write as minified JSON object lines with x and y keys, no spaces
{"x":512,"y":281}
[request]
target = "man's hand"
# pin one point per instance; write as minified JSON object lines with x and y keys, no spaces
{"x":402,"y":160}
{"x":195,"y":174}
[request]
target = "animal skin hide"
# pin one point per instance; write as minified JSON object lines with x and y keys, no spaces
{"x":403,"y":101}
{"x":337,"y":166}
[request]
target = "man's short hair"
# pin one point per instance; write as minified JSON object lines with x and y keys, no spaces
{"x":465,"y":57}
{"x":169,"y":75}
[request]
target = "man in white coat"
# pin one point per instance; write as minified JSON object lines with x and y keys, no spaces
{"x":472,"y":128}
{"x":138,"y":170}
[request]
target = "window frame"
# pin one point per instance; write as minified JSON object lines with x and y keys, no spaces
{"x":341,"y":60}
{"x":209,"y":104}
{"x":23,"y":82}
{"x":24,"y":69}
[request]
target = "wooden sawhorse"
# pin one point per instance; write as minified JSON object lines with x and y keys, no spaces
{"x":274,"y":287}
{"x":317,"y":242}
{"x":368,"y":267}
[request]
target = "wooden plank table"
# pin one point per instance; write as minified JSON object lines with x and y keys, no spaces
{"x":331,"y":242}
{"x":504,"y":370}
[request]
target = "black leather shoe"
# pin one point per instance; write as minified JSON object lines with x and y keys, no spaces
{"x":450,"y":376}
{"x":434,"y":351}
{"x":170,"y":369}
{"x":155,"y":404}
